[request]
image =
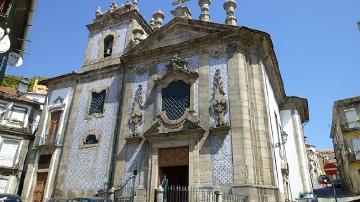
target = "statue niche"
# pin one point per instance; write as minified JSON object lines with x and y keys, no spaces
{"x":136,"y":116}
{"x":219,"y":103}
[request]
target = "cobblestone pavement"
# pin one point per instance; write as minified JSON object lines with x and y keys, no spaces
{"x":326,"y":194}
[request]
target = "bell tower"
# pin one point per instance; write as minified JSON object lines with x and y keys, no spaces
{"x":110,"y":35}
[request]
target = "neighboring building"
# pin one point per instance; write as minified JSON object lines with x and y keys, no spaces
{"x":17,"y":128}
{"x":201,"y":103}
{"x":316,"y":165}
{"x":38,"y":93}
{"x":327,"y":156}
{"x":44,"y":157}
{"x":294,"y":113}
{"x":345,"y":133}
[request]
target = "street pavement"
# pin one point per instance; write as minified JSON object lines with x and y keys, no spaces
{"x":326,"y":194}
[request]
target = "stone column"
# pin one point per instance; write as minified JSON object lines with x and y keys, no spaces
{"x":230,"y":6}
{"x":204,"y":5}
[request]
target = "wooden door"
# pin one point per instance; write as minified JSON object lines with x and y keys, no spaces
{"x":53,"y":126}
{"x":40,"y":187}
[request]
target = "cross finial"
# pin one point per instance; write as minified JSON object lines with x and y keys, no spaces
{"x":179,"y":2}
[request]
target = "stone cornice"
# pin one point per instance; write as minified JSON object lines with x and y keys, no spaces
{"x":121,"y":14}
{"x":301,"y":104}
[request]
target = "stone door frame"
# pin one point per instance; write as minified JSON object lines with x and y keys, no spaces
{"x":167,"y":142}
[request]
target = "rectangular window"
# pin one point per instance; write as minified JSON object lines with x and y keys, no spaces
{"x":3,"y":185}
{"x":356,"y":146}
{"x":44,"y":161}
{"x":8,"y":152}
{"x":18,"y":114}
{"x":352,"y":118}
{"x":97,"y":102}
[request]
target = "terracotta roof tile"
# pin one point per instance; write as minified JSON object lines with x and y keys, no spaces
{"x":7,"y":91}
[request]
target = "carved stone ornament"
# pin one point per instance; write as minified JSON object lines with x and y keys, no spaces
{"x":217,"y":51}
{"x":136,"y":116}
{"x":219,"y":103}
{"x":177,"y":70}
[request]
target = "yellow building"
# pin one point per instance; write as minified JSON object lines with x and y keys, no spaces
{"x":345,"y":132}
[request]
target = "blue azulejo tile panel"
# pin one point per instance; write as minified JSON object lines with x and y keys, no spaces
{"x":139,"y":79}
{"x":218,"y":63}
{"x":221,"y":148}
{"x":222,"y":162}
{"x":134,"y":160}
{"x":87,"y":167}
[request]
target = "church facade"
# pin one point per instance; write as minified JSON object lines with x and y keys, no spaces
{"x":193,"y":102}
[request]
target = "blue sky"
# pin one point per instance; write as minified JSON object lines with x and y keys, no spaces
{"x":317,"y":45}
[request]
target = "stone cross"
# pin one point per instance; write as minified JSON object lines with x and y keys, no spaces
{"x":177,"y":2}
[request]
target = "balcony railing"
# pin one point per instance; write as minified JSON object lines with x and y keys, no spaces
{"x":351,"y":126}
{"x":354,"y":157}
{"x":16,"y":127}
{"x":47,"y":140}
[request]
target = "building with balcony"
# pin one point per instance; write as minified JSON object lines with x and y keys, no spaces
{"x":345,"y":134}
{"x":17,"y":128}
{"x":44,"y":157}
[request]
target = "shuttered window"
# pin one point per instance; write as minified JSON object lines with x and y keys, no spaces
{"x":8,"y":151}
{"x":97,"y":102}
{"x":3,"y":185}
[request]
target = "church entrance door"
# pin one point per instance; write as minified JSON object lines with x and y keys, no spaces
{"x":174,"y":166}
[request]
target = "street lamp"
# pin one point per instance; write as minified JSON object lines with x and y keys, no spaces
{"x":23,"y":86}
{"x":21,"y":90}
{"x":284,"y":137}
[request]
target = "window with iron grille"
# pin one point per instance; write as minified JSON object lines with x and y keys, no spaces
{"x":97,"y":102}
{"x":175,"y":99}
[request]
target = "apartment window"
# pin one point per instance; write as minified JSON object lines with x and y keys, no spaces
{"x":352,"y":118}
{"x":4,"y":6}
{"x":356,"y":146}
{"x":18,"y":114}
{"x":44,"y":161}
{"x":108,"y":45}
{"x":3,"y":185}
{"x":97,"y":102}
{"x":8,"y":153}
{"x":175,"y":99}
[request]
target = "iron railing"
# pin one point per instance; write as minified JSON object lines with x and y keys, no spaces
{"x":126,"y":192}
{"x":47,"y":140}
{"x":16,"y":127}
{"x":191,"y":194}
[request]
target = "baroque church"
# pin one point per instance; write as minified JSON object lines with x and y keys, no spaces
{"x":189,"y":103}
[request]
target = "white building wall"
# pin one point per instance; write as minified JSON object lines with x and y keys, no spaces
{"x":296,"y":154}
{"x":273,"y":109}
